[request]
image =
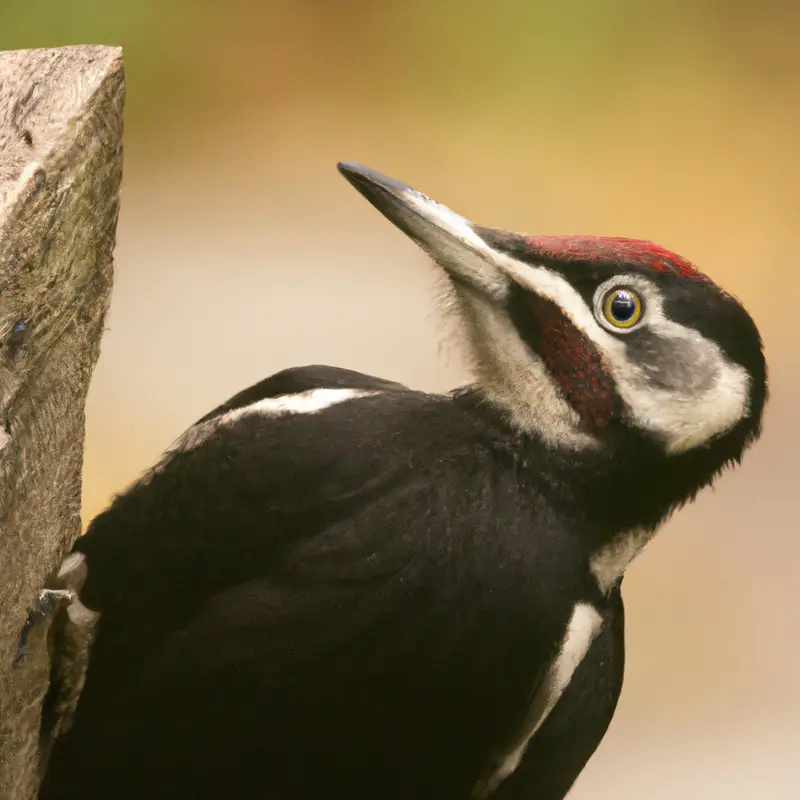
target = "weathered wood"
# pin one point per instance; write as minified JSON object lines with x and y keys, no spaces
{"x":60,"y":172}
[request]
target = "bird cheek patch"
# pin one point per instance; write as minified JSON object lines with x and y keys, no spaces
{"x":570,"y":357}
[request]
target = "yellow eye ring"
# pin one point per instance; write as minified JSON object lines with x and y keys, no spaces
{"x":622,"y":308}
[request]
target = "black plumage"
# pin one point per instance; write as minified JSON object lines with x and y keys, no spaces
{"x":366,"y":598}
{"x":334,"y":578}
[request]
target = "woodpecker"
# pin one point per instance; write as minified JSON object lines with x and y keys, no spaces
{"x":333,"y":585}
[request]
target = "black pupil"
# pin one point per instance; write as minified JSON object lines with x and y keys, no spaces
{"x":623,"y":306}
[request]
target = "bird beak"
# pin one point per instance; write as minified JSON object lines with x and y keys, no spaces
{"x":448,"y":238}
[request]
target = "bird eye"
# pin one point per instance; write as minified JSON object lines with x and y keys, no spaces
{"x":622,"y":308}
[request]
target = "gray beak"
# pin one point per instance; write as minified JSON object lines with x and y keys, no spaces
{"x":448,"y":238}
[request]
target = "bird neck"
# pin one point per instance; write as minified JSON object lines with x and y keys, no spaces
{"x":617,"y":495}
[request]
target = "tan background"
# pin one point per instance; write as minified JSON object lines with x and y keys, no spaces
{"x":242,"y":251}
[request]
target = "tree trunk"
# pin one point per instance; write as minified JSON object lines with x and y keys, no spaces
{"x":60,"y":172}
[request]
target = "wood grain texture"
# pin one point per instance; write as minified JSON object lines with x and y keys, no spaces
{"x":60,"y":173}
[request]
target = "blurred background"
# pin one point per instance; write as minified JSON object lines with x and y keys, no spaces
{"x":241,"y":251}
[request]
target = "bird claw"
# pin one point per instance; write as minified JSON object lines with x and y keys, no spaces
{"x":48,"y":598}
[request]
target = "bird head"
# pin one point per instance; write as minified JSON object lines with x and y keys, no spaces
{"x":588,"y":341}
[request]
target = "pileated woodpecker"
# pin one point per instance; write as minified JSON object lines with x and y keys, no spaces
{"x":335,"y":586}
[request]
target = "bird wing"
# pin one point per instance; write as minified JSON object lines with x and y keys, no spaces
{"x":258,"y":473}
{"x":355,"y":586}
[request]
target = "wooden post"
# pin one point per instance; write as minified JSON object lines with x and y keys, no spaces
{"x":60,"y":172}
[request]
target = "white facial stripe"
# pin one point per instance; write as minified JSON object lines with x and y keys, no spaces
{"x":549,"y":284}
{"x":513,"y":377}
{"x":682,"y":420}
{"x":509,"y":373}
{"x":584,"y":625}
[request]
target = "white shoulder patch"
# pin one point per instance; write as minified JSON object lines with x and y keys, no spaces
{"x":309,"y":402}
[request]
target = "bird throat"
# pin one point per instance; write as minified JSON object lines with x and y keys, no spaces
{"x":570,"y":357}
